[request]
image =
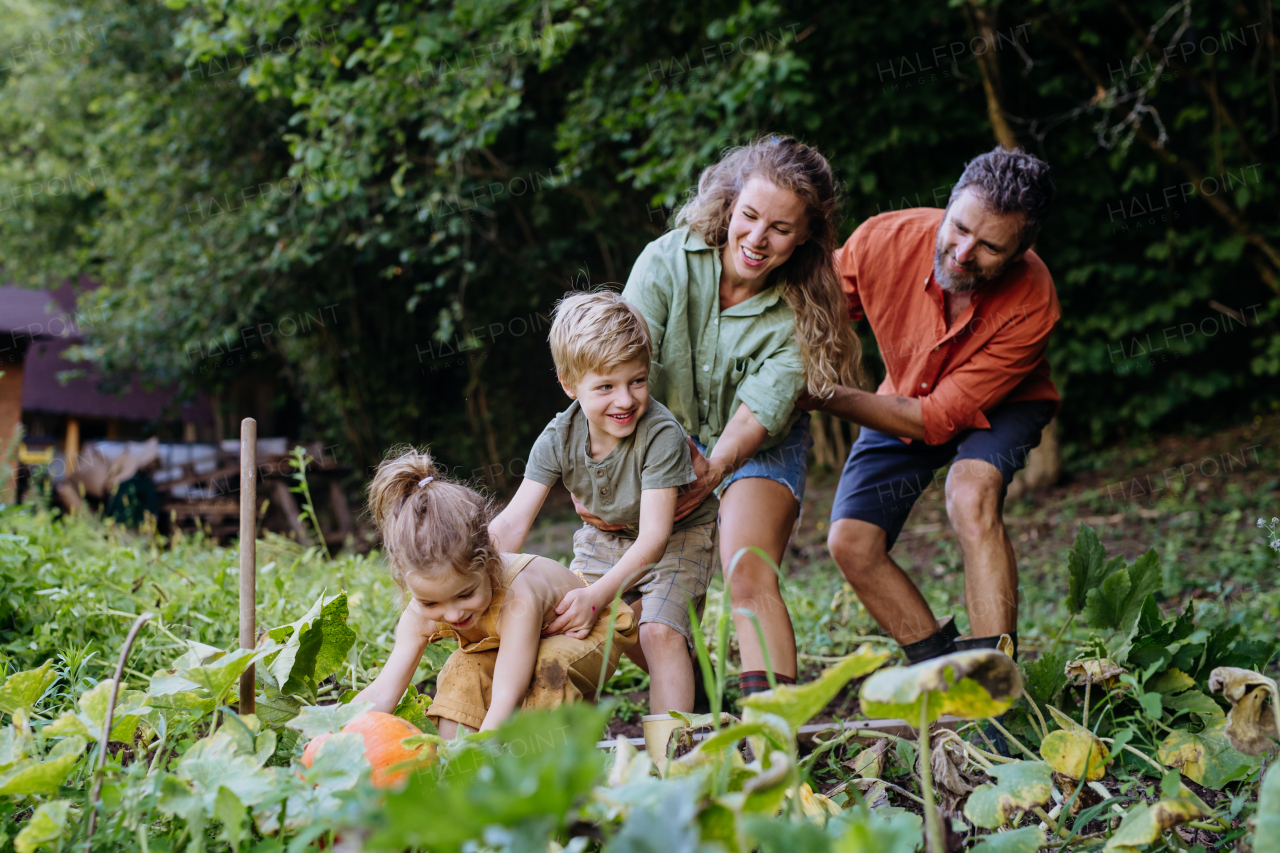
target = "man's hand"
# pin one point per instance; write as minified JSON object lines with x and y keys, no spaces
{"x":809,"y":403}
{"x":692,"y":495}
{"x":593,"y":520}
{"x":577,"y":613}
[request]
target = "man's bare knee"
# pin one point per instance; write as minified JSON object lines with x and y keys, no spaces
{"x":973,"y":500}
{"x":856,"y":547}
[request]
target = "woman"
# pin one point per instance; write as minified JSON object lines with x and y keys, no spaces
{"x":745,"y":310}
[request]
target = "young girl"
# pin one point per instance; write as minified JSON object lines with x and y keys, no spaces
{"x":436,"y":537}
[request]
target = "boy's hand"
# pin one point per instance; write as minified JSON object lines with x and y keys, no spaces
{"x":577,"y":613}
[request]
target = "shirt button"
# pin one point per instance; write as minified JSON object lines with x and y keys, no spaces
{"x":924,"y":384}
{"x":706,"y":402}
{"x":604,"y":491}
{"x":717,"y":322}
{"x":599,"y":472}
{"x":706,"y":368}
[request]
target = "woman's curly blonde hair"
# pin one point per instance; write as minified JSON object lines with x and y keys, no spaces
{"x":831,"y":351}
{"x":429,"y":523}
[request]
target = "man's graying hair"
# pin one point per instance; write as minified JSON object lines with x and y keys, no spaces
{"x":1012,"y":182}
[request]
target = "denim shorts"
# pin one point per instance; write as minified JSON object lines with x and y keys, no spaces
{"x":884,"y":475}
{"x":787,"y":463}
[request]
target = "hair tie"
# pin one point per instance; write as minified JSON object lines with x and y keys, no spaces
{"x":423,"y":482}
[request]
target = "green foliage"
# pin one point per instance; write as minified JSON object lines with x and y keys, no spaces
{"x":523,"y":779}
{"x":392,"y":166}
{"x":186,"y":775}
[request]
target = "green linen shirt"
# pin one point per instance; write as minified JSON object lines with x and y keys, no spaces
{"x":706,"y":361}
{"x":655,"y":456}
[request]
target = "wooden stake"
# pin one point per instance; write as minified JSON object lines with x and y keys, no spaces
{"x":248,"y":553}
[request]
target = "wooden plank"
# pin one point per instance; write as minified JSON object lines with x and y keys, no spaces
{"x":283,"y":498}
{"x":341,"y":511}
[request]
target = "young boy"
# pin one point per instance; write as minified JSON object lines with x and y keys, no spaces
{"x":623,"y":456}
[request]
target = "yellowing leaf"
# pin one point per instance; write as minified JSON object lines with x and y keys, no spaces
{"x":1145,"y":822}
{"x":24,"y":689}
{"x":1101,"y":671}
{"x":1022,"y":785}
{"x":1252,"y":724}
{"x":1068,"y":751}
{"x":971,"y":685}
{"x":797,"y":704}
{"x":44,"y":777}
{"x":1207,"y":757}
{"x":45,"y":828}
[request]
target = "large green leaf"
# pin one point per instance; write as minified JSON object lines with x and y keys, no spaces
{"x":130,"y":711}
{"x":1020,"y":786}
{"x":44,"y":777}
{"x":1116,"y":603}
{"x":536,"y":766}
{"x":860,"y":830}
{"x":303,"y":653}
{"x":204,"y":668}
{"x":216,"y":762}
{"x":24,"y":689}
{"x":1207,"y":758}
{"x":971,"y":685}
{"x":45,"y":828}
{"x":797,"y":704}
{"x":1267,"y":837}
{"x":1087,"y":567}
{"x":316,"y":720}
{"x":1028,"y":839}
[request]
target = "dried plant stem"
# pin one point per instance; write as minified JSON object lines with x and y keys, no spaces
{"x":933,"y":826}
{"x":95,"y":792}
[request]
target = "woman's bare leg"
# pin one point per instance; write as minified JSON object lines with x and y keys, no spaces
{"x":760,"y":512}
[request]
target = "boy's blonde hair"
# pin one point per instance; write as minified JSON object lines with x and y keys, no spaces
{"x":429,"y":523}
{"x":596,"y":332}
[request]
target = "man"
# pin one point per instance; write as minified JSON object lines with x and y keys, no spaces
{"x":962,"y":310}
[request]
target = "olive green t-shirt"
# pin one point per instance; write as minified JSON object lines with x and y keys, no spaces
{"x":654,"y":456}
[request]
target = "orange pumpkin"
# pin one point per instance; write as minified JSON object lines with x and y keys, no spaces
{"x":382,"y":735}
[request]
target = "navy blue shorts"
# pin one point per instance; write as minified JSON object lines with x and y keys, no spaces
{"x":883,"y":475}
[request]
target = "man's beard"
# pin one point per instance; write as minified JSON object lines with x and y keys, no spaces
{"x":956,"y":282}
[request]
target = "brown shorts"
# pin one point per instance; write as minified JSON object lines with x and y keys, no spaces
{"x":664,"y":592}
{"x":566,"y":670}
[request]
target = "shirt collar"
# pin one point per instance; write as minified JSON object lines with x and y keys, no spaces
{"x":758,"y":304}
{"x":693,"y":242}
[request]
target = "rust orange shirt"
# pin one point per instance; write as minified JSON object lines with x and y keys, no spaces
{"x":995,"y":351}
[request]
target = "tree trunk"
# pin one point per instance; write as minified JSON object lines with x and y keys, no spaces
{"x":1044,"y":463}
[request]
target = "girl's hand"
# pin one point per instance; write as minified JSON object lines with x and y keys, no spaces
{"x":577,"y":612}
{"x":709,"y":477}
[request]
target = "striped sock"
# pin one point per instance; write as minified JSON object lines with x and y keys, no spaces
{"x":757,"y":681}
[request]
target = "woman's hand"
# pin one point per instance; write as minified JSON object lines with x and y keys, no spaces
{"x":577,"y":612}
{"x":593,"y":520}
{"x":709,"y":477}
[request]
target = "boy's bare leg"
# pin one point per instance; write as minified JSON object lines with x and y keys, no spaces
{"x":636,"y":653}
{"x":449,"y":729}
{"x":670,"y":672}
